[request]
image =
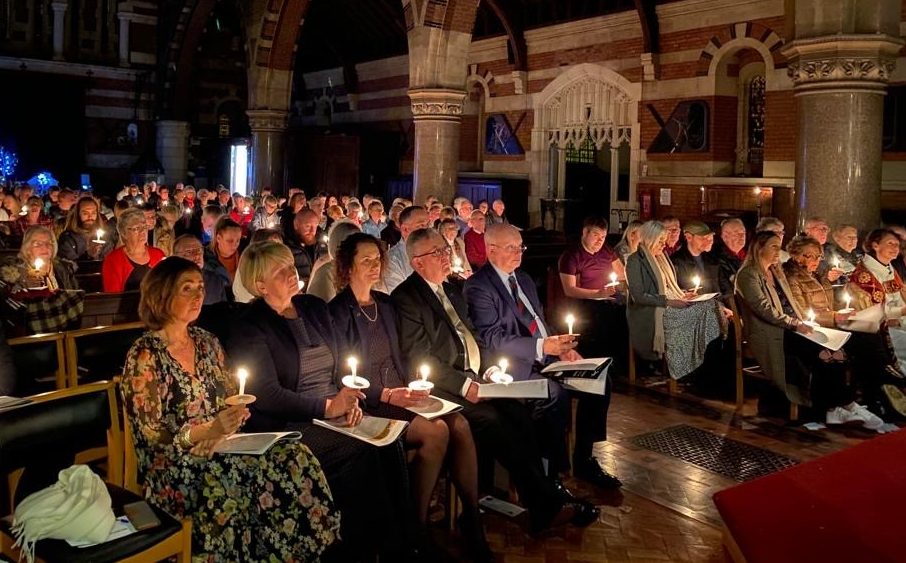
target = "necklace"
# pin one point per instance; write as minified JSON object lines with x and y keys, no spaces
{"x":362,"y":309}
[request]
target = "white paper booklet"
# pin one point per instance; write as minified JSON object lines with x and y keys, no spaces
{"x":702,"y":297}
{"x":253,"y":444}
{"x":373,"y":429}
{"x":434,"y":407}
{"x":830,"y":338}
{"x":530,"y":389}
{"x":866,"y":320}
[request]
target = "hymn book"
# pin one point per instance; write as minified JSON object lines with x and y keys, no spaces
{"x":588,"y":374}
{"x":434,"y":407}
{"x":254,"y":443}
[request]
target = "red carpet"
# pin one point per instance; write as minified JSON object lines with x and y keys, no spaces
{"x":847,"y":506}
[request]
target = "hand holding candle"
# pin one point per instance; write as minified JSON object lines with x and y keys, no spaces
{"x":98,"y":236}
{"x":696,"y":283}
{"x":353,"y":380}
{"x":501,"y":376}
{"x":39,"y":264}
{"x":613,"y":280}
{"x":810,"y":317}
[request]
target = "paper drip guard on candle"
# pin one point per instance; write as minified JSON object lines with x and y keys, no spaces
{"x":98,"y":234}
{"x":501,"y":376}
{"x":355,"y":382}
{"x":613,"y":281}
{"x":422,"y":383}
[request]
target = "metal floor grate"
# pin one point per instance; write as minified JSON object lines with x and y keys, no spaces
{"x":710,"y":451}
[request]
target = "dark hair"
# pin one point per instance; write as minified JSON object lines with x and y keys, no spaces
{"x":261,"y":235}
{"x":345,"y":257}
{"x":408,"y":212}
{"x":595,"y":222}
{"x":875,"y":237}
{"x":158,"y":289}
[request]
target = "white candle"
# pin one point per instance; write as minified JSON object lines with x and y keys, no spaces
{"x":422,"y":383}
{"x":847,"y":298}
{"x":697,"y":282}
{"x":188,"y":211}
{"x":24,"y":210}
{"x":352,"y":363}
{"x":613,"y":278}
{"x":301,"y":285}
{"x":836,"y":261}
{"x":39,"y":263}
{"x":246,"y":211}
{"x":811,"y":316}
{"x":457,"y":264}
{"x":570,"y":319}
{"x":242,"y":374}
{"x":138,"y":201}
{"x":324,"y":239}
{"x":98,"y":235}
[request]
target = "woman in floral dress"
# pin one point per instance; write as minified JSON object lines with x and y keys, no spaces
{"x":276,"y":506}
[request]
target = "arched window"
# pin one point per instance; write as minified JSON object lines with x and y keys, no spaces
{"x":755,"y":122}
{"x":750,"y":121}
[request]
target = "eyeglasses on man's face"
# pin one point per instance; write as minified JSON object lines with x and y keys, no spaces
{"x":437,"y":252}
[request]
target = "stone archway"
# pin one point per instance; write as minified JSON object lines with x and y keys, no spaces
{"x":588,"y":102}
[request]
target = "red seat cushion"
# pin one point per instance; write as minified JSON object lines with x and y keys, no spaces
{"x":847,"y":506}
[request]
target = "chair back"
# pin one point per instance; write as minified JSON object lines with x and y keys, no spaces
{"x":101,"y":309}
{"x":47,"y":435}
{"x":97,"y":353}
{"x":130,"y":460}
{"x":90,"y":283}
{"x":40,"y":358}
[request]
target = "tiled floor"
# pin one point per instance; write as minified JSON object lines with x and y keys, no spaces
{"x":664,"y":511}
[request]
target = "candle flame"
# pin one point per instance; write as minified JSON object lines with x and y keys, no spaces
{"x":504,"y":364}
{"x":100,"y":233}
{"x":242,"y":374}
{"x":613,"y":277}
{"x":696,"y":281}
{"x":423,"y":371}
{"x":39,"y":263}
{"x":352,"y":363}
{"x":811,"y":315}
{"x":188,"y":210}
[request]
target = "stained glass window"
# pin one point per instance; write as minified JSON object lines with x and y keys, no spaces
{"x":584,"y":154}
{"x":755,"y":121}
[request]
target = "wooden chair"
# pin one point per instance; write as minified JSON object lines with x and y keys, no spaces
{"x":42,"y":356}
{"x":103,"y":309}
{"x":743,"y":352}
{"x":99,"y":352}
{"x":90,"y":283}
{"x":39,"y":439}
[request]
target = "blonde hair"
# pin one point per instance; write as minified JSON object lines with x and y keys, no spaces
{"x":129,"y":217}
{"x":259,"y":259}
{"x":30,"y":234}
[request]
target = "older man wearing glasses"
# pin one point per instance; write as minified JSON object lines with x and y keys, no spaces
{"x":506,"y":311}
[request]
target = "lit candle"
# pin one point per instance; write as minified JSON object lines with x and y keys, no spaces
{"x":697,"y":282}
{"x":422,"y":383}
{"x":324,"y":239}
{"x":24,"y":210}
{"x":613,"y":279}
{"x":501,"y":376}
{"x":757,"y":191}
{"x":301,"y":285}
{"x":836,"y":261}
{"x":242,"y":374}
{"x":352,"y":363}
{"x":570,"y":319}
{"x":138,"y":201}
{"x":188,"y":211}
{"x":39,"y":263}
{"x":246,"y":211}
{"x":457,"y":264}
{"x":847,"y":298}
{"x":811,"y":316}
{"x":98,"y":235}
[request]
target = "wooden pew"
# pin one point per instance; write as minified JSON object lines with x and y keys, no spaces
{"x":97,"y":353}
{"x":41,"y":356}
{"x":104,"y":309}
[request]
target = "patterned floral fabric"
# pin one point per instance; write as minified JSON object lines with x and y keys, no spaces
{"x":877,"y":290}
{"x":272,"y":507}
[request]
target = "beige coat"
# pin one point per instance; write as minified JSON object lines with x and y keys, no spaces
{"x":764,"y":322}
{"x":810,"y":293}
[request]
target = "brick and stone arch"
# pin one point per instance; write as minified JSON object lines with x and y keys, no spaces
{"x":740,"y":36}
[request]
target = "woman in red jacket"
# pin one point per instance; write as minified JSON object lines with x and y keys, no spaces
{"x":126,"y":266}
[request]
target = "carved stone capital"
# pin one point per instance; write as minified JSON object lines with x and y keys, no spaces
{"x":267,"y":119}
{"x":437,"y":104}
{"x":851,"y":62}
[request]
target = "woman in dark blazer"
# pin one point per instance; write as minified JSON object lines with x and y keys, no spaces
{"x":367,"y":322}
{"x":287,"y":342}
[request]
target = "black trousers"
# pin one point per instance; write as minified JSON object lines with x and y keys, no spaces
{"x":503,"y":430}
{"x":605,"y":332}
{"x":551,"y":418}
{"x":370,"y":487}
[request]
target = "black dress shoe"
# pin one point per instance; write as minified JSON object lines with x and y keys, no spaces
{"x":590,"y":471}
{"x":584,"y":513}
{"x":565,"y":494}
{"x":476,"y":544}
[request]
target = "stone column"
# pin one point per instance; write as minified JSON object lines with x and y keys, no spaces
{"x":266,"y":160}
{"x":840,"y":67}
{"x":173,"y":149}
{"x":437,"y":113}
{"x":125,"y":17}
{"x":59,"y":20}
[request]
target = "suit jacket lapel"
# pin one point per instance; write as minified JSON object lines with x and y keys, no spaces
{"x":505,"y":295}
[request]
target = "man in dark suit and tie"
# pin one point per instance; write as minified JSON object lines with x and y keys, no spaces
{"x":505,"y":309}
{"x":434,"y":329}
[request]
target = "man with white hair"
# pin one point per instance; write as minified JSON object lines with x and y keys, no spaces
{"x":506,"y":311}
{"x":463,"y":208}
{"x":398,"y":265}
{"x":730,"y":253}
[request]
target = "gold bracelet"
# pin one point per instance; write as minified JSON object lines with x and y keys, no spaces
{"x":185,"y":439}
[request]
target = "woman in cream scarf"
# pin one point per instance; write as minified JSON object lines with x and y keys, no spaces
{"x":662,"y":322}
